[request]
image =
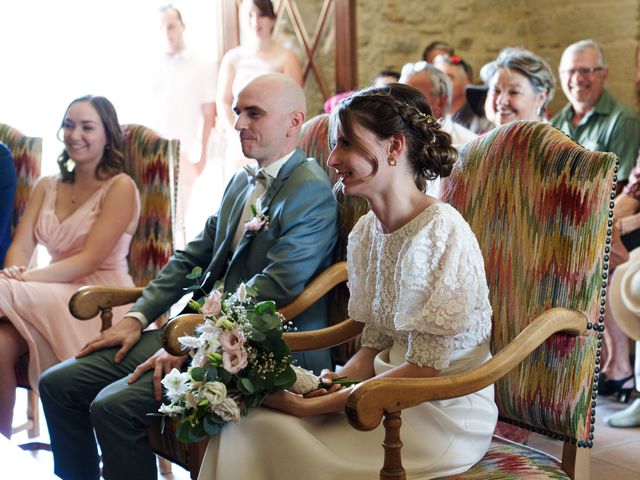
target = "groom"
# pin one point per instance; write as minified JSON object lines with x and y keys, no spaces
{"x":97,"y":390}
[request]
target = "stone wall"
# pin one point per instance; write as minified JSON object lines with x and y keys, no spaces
{"x":393,"y":32}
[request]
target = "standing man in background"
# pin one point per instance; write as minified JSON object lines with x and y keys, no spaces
{"x":182,"y":99}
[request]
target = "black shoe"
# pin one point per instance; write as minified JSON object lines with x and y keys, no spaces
{"x":609,"y":387}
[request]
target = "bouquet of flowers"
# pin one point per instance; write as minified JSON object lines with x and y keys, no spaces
{"x":238,"y":357}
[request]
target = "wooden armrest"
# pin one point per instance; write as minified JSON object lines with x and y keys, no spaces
{"x":325,"y":337}
{"x":90,"y":301}
{"x":370,"y":399}
{"x":323,"y":283}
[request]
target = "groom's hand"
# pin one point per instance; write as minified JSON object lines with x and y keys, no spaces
{"x":161,"y":363}
{"x":124,"y":334}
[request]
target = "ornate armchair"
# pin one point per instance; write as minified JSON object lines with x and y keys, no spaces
{"x":27,"y":159}
{"x":540,"y":206}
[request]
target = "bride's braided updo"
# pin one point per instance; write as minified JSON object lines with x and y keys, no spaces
{"x":393,"y":109}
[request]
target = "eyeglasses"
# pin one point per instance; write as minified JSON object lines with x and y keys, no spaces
{"x":584,"y":71}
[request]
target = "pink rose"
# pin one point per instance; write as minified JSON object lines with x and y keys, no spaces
{"x":255,"y":224}
{"x":212,"y":305}
{"x":235,"y":360}
{"x":231,"y":340}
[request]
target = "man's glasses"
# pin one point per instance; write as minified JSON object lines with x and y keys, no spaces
{"x":584,"y":71}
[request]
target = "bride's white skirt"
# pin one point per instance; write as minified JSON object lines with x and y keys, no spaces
{"x":439,"y":438}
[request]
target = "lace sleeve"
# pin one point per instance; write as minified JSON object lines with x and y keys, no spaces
{"x":442,"y":279}
{"x":428,"y":350}
{"x":358,"y":249}
{"x":374,"y":337}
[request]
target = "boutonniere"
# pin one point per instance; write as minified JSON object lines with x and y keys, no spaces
{"x":259,"y":221}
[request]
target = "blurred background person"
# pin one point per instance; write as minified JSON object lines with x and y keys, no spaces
{"x":521,"y":85}
{"x":260,"y":55}
{"x":7,"y":194}
{"x":85,"y":217}
{"x":182,"y":105}
{"x":436,"y":48}
{"x":461,"y":75}
{"x":593,"y":117}
{"x":385,"y":77}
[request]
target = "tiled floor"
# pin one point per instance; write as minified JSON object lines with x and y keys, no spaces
{"x":615,"y":453}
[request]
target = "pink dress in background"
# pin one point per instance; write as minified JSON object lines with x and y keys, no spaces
{"x":40,"y":311}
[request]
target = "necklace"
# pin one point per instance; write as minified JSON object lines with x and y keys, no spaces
{"x":75,"y":198}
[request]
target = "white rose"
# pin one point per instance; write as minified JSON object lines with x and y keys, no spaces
{"x":215,"y":392}
{"x":306,"y":381}
{"x":227,"y":410}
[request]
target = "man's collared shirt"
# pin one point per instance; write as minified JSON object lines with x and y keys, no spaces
{"x":610,"y":126}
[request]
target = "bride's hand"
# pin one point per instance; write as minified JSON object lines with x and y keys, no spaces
{"x":15,"y":272}
{"x":285,"y":401}
{"x":326,"y":377}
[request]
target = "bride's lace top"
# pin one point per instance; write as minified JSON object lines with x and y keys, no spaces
{"x":423,"y":285}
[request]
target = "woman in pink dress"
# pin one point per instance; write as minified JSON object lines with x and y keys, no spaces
{"x":85,"y":217}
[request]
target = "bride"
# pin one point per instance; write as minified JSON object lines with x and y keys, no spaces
{"x":417,"y":282}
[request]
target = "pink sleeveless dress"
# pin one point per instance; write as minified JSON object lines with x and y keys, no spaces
{"x":40,"y":311}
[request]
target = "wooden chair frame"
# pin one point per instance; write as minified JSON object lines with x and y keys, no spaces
{"x":382,"y":400}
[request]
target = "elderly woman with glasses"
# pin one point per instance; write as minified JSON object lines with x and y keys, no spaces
{"x":521,"y":85}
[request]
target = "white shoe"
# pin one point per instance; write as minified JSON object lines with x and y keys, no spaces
{"x":629,"y":417}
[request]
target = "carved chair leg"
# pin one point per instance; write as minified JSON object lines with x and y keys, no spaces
{"x":392,"y":469}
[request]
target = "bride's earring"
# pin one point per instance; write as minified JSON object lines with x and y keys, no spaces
{"x":392,"y":160}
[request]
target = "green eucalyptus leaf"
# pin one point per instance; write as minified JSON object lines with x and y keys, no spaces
{"x":211,"y":426}
{"x":197,"y":373}
{"x":246,"y":384}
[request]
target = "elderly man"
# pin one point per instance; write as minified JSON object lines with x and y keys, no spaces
{"x":436,"y":87}
{"x":461,"y":75}
{"x":593,"y":117}
{"x":98,"y":391}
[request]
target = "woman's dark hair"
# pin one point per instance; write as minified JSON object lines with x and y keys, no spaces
{"x":393,"y":109}
{"x":112,"y":161}
{"x":265,"y":7}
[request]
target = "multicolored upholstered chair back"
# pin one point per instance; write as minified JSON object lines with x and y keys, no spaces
{"x":540,"y":206}
{"x":27,"y":158}
{"x":314,"y":142}
{"x":152,"y":161}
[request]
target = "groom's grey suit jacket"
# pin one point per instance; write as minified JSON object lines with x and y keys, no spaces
{"x":279,"y":261}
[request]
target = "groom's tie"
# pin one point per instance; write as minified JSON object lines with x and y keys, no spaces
{"x":260,"y":181}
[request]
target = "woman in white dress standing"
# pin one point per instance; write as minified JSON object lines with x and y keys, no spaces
{"x":417,"y":282}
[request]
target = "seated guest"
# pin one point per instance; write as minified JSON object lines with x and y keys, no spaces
{"x":437,"y":88}
{"x":421,"y":319}
{"x":593,"y":117}
{"x":624,"y":301}
{"x":436,"y":48}
{"x":385,"y":77}
{"x":461,"y":75}
{"x":616,"y":375}
{"x":521,"y":85}
{"x":7,"y":193}
{"x":85,"y":217}
{"x":97,"y":390}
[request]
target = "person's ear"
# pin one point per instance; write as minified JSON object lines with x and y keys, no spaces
{"x":296,"y":119}
{"x":397,"y":143}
